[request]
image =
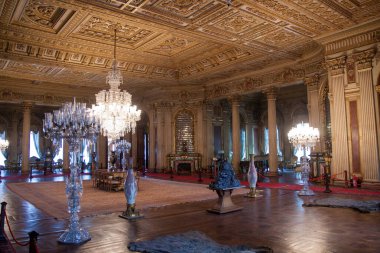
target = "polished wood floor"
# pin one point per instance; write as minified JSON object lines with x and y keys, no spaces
{"x":276,"y":220}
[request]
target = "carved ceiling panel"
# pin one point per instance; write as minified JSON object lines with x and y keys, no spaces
{"x":42,"y":15}
{"x":169,"y":44}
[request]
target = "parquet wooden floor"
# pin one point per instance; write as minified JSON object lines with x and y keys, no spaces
{"x":276,"y":220}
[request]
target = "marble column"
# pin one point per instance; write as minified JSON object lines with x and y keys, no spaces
{"x":102,"y":150}
{"x":169,"y":133}
{"x":160,"y":138}
{"x":134,"y":148}
{"x":66,"y":156}
{"x":235,"y":103}
{"x":340,"y":151}
{"x":272,"y":133}
{"x":369,"y":151}
{"x":13,"y":136}
{"x":312,"y":83}
{"x":152,"y":139}
{"x":26,"y":106}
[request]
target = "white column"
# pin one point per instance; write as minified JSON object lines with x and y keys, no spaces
{"x":134,"y":148}
{"x":26,"y":136}
{"x":340,"y":160}
{"x":369,"y":152}
{"x":272,"y":126}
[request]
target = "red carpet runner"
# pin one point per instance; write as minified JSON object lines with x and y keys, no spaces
{"x":284,"y":186}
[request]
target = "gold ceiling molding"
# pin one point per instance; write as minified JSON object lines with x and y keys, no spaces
{"x":9,"y":96}
{"x":169,"y":45}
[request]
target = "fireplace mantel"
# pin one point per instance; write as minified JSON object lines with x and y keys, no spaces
{"x":194,"y":159}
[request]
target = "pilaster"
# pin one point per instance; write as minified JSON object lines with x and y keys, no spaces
{"x":340,"y":162}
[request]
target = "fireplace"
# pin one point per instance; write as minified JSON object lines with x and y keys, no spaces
{"x":184,"y":167}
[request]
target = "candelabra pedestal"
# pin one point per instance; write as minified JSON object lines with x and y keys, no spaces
{"x":74,"y":234}
{"x":306,"y":191}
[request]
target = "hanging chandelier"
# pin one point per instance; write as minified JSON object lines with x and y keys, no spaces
{"x":117,"y":116}
{"x":303,"y":136}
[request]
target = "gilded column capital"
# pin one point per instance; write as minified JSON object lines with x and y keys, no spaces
{"x":336,"y":66}
{"x":26,"y":105}
{"x":364,"y":59}
{"x":271,"y":92}
{"x":235,"y":99}
{"x":312,"y":81}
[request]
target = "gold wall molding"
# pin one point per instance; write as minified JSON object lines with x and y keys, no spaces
{"x":336,"y":65}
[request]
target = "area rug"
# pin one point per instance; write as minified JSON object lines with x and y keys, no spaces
{"x":50,"y":196}
{"x":190,"y":242}
{"x":359,"y":205}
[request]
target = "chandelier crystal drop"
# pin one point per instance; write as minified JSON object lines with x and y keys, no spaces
{"x":117,"y":116}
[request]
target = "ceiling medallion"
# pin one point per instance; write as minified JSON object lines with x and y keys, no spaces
{"x":114,"y":107}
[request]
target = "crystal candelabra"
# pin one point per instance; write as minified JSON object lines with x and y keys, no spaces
{"x":72,"y":122}
{"x":123,"y":146}
{"x":304,"y":137}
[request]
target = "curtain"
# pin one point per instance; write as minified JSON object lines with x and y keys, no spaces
{"x":36,"y":139}
{"x":279,"y":152}
{"x":3,"y":153}
{"x":266,"y":141}
{"x":243,"y":154}
{"x":34,"y":145}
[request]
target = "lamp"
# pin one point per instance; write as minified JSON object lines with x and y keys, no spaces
{"x":304,"y":137}
{"x":114,"y":109}
{"x":72,"y":122}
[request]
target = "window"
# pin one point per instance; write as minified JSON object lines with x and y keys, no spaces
{"x":266,"y":142}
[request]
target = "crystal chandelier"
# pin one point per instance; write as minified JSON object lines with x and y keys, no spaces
{"x":304,"y":137}
{"x":117,"y":116}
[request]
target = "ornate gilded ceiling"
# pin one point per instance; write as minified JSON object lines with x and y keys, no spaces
{"x":165,"y":46}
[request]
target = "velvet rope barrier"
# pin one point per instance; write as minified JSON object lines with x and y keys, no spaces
{"x":11,"y":232}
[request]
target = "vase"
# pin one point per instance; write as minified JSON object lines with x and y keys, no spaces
{"x":252,"y":179}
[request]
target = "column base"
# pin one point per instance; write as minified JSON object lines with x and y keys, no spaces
{"x":272,"y":174}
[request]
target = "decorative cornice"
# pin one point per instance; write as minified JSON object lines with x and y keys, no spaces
{"x":336,"y":65}
{"x":364,"y":58}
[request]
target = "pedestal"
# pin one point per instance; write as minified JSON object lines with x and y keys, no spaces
{"x":224,"y":204}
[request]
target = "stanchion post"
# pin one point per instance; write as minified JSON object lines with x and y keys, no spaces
{"x":171,"y":173}
{"x":2,"y":222}
{"x":200,"y":175}
{"x":30,"y":172}
{"x":33,"y":236}
{"x":345,"y":179}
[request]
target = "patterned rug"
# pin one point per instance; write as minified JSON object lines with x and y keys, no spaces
{"x":190,"y":242}
{"x":50,"y":196}
{"x":359,"y":205}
